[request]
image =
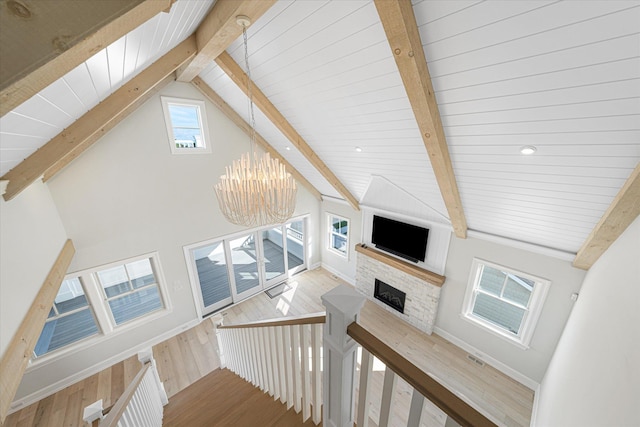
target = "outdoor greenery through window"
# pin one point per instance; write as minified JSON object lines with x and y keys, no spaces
{"x":505,"y":301}
{"x":70,"y":319}
{"x":186,"y":125}
{"x":339,"y":234}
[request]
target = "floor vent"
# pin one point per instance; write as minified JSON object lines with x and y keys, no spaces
{"x":475,"y":360}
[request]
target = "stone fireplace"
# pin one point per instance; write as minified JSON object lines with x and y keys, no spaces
{"x":380,"y":273}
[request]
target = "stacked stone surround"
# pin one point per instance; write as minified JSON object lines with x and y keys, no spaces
{"x":421,"y":304}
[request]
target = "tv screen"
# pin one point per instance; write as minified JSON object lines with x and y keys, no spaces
{"x":399,"y":238}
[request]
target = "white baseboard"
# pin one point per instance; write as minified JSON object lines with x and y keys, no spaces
{"x":92,"y":370}
{"x":522,"y":379}
{"x":536,"y":402}
{"x":349,"y":280}
{"x":315,"y":265}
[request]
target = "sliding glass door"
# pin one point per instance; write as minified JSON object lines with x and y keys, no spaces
{"x":274,"y":262}
{"x":244,"y":264}
{"x":212,"y":276}
{"x":235,"y":268}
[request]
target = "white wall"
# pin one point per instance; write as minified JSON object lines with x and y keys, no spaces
{"x":127,"y":196}
{"x":594,"y":376}
{"x":32,"y":237}
{"x":565,"y":280}
{"x":344,"y":268}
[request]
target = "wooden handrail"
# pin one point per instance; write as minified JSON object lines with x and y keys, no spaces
{"x":305,"y":319}
{"x":117,"y":410}
{"x":446,"y":400}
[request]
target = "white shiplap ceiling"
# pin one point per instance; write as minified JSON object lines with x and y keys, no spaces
{"x":562,"y":76}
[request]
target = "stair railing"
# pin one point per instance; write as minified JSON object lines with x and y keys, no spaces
{"x":279,"y":356}
{"x":342,"y":337}
{"x":141,"y":403}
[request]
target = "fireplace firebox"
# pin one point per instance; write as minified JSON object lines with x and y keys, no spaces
{"x":389,"y":295}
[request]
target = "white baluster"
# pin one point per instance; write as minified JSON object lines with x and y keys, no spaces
{"x":297,"y":370}
{"x":288,"y":365}
{"x":275,"y":367}
{"x":267,"y":354}
{"x":146,"y":356}
{"x":306,"y":381}
{"x":388,"y":389}
{"x":343,"y":306}
{"x":415,"y":411}
{"x":364,"y":391}
{"x":263,"y":359}
{"x":282,"y":374}
{"x":256,"y":358}
{"x":316,"y":346}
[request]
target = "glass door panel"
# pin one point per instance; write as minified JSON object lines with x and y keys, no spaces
{"x":245,"y":266}
{"x":295,"y":246}
{"x":211,"y":265}
{"x":275,"y":268}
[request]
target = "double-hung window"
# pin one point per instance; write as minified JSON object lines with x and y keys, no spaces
{"x":504,"y":301}
{"x":131,"y":290}
{"x":339,"y":234}
{"x":70,"y":320}
{"x":187,"y":128}
{"x":97,"y":301}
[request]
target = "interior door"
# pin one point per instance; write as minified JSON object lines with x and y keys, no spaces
{"x":244,"y":263}
{"x":274,"y":261}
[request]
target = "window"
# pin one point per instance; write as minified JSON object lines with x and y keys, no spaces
{"x":186,"y":125}
{"x":339,"y":234}
{"x":95,"y":302}
{"x":131,"y":290}
{"x":70,"y":320}
{"x":505,"y":301}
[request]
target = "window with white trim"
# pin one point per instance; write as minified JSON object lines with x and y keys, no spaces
{"x":70,"y":320}
{"x":187,"y":128}
{"x":338,"y":234}
{"x":505,"y":301}
{"x":131,"y":290}
{"x":98,"y":301}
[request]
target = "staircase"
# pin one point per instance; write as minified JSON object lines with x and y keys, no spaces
{"x":224,"y":399}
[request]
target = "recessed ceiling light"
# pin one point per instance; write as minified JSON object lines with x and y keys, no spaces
{"x":358,"y":149}
{"x":528,"y":149}
{"x":287,"y":148}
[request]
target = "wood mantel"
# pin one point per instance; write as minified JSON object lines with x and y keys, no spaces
{"x":414,"y":270}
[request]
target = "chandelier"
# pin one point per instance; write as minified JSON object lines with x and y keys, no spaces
{"x":255,"y":190}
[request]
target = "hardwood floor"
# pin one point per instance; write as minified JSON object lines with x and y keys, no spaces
{"x":224,"y":399}
{"x":496,"y":395}
{"x":65,"y":407}
{"x":186,"y":358}
{"x":181,"y":361}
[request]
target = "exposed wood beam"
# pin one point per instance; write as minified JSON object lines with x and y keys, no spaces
{"x":44,"y":40}
{"x":18,"y":352}
{"x":246,"y":128}
{"x":72,"y":141}
{"x":218,"y":30}
{"x":624,"y":209}
{"x":233,"y":70}
{"x":401,"y":29}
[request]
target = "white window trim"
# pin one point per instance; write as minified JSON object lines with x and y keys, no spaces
{"x":532,"y":313}
{"x":331,"y":233}
{"x":104,"y":319}
{"x":202,"y":116}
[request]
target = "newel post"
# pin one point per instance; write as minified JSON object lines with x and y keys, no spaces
{"x":342,"y":306}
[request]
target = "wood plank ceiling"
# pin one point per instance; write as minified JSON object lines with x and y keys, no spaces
{"x":561,"y":76}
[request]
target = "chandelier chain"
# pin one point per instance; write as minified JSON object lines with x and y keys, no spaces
{"x":252,"y":118}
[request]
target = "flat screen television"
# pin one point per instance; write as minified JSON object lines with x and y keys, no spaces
{"x":399,"y":238}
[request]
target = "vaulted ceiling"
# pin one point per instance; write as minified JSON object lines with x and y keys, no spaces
{"x":346,"y":99}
